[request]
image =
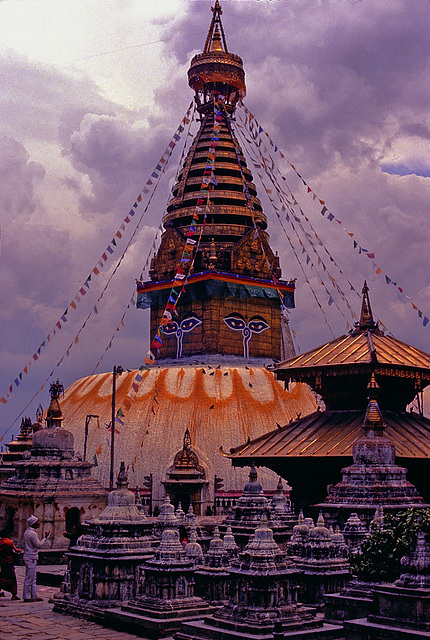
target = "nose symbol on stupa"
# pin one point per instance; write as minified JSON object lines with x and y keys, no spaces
{"x":236,"y":322}
{"x":186,"y":325}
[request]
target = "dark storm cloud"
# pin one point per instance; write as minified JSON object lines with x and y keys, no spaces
{"x":114,"y":154}
{"x":39,"y":102}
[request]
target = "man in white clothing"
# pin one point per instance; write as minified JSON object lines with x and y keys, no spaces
{"x":32,"y":544}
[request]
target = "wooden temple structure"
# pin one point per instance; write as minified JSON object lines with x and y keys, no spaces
{"x":311,"y":450}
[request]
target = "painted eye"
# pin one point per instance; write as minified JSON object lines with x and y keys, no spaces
{"x":235,"y":321}
{"x":170,"y":328}
{"x":188,"y":324}
{"x":258,"y":324}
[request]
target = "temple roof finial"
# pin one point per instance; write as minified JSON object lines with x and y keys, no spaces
{"x":366,"y":317}
{"x":366,"y":321}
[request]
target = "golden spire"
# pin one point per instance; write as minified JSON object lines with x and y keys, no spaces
{"x":215,"y":70}
{"x":216,"y":41}
{"x":214,"y":31}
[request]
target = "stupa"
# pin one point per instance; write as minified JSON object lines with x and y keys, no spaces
{"x":252,"y":506}
{"x":167,"y":595}
{"x":106,"y":564}
{"x":212,"y":576}
{"x":339,"y":372}
{"x":52,"y":483}
{"x":321,"y":556}
{"x":373,"y":480}
{"x":212,"y":341}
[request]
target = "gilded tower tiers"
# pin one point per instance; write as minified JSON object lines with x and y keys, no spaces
{"x":215,"y":282}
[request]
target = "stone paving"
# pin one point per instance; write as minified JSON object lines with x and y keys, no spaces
{"x":36,"y":621}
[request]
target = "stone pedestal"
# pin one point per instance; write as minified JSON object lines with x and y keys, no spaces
{"x":354,"y":601}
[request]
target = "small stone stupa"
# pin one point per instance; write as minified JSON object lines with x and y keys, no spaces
{"x":167,"y":518}
{"x":167,"y":594}
{"x":373,"y":480}
{"x":321,"y":556}
{"x":212,"y":577}
{"x":252,"y":506}
{"x":52,"y":483}
{"x":354,"y":532}
{"x":105,"y":566}
{"x":262,"y":596}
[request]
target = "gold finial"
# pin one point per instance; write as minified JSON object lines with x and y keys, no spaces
{"x":216,"y":32}
{"x":216,"y":41}
{"x":373,"y":387}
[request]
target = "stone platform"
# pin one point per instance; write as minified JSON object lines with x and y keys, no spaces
{"x":27,"y":621}
{"x":364,"y":629}
{"x":208,"y":629}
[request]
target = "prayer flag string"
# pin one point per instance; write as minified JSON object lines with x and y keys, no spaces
{"x":286,"y":207}
{"x":160,"y":169}
{"x":256,"y":132}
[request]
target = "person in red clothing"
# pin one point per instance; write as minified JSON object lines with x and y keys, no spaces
{"x":8,"y":551}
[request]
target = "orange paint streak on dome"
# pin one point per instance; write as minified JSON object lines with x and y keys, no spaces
{"x":222,"y":409}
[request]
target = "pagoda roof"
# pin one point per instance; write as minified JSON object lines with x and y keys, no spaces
{"x":365,"y":345}
{"x":357,"y":348}
{"x":330,"y":434}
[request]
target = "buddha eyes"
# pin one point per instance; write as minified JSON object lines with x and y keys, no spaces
{"x":257,"y":324}
{"x":235,"y":322}
{"x":171,"y":327}
{"x":188,"y":324}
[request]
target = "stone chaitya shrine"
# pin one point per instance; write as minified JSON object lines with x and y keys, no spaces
{"x":374,"y":479}
{"x":217,"y":304}
{"x":105,"y":564}
{"x":252,"y":504}
{"x":51,"y":482}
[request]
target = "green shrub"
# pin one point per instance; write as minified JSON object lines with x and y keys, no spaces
{"x":385,"y":547}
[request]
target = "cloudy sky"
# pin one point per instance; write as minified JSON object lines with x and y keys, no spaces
{"x":90,"y":95}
